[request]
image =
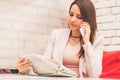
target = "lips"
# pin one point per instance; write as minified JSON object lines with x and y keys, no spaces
{"x":72,"y":25}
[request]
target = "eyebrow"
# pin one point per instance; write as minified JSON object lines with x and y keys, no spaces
{"x":73,"y":12}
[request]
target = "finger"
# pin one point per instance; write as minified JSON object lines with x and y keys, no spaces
{"x":86,"y":25}
{"x":25,"y":62}
{"x":27,"y":65}
{"x":21,"y":60}
{"x":23,"y":67}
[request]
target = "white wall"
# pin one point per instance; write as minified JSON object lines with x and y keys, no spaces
{"x":25,"y":25}
{"x":108,"y":17}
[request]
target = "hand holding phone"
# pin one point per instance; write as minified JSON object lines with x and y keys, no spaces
{"x":82,"y":31}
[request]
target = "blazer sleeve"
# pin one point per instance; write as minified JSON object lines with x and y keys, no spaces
{"x":50,"y":46}
{"x":93,"y":57}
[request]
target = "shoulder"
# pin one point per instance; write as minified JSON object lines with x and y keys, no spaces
{"x":99,"y":36}
{"x":99,"y":39}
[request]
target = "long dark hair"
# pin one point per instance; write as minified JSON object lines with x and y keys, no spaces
{"x":88,"y":14}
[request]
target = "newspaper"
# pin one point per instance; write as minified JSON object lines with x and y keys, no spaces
{"x":47,"y":67}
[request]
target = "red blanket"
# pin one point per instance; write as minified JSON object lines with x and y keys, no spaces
{"x":111,"y":64}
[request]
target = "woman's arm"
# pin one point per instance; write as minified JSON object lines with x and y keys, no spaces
{"x":93,"y":57}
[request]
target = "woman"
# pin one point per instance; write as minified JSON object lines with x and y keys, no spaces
{"x":82,"y":54}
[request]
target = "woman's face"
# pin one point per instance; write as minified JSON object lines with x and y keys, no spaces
{"x":74,"y":19}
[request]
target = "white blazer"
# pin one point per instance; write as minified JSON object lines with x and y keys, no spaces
{"x":90,"y":65}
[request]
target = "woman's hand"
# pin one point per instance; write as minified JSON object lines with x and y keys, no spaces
{"x":23,"y":64}
{"x":86,"y":37}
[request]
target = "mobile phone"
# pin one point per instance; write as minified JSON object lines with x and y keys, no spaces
{"x":82,"y":31}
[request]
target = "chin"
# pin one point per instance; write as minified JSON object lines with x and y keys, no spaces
{"x":72,"y":28}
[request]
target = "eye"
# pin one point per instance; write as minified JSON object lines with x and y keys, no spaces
{"x":79,"y":17}
{"x":71,"y":14}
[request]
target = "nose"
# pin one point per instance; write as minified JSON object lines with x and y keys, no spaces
{"x":73,"y":18}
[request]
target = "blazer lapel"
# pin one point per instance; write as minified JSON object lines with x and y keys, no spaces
{"x":58,"y":55}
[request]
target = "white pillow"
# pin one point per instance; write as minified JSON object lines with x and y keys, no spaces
{"x":47,"y":67}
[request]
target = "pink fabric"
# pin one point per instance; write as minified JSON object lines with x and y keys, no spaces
{"x":71,"y":57}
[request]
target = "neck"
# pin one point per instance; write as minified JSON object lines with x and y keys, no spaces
{"x":75,"y":34}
